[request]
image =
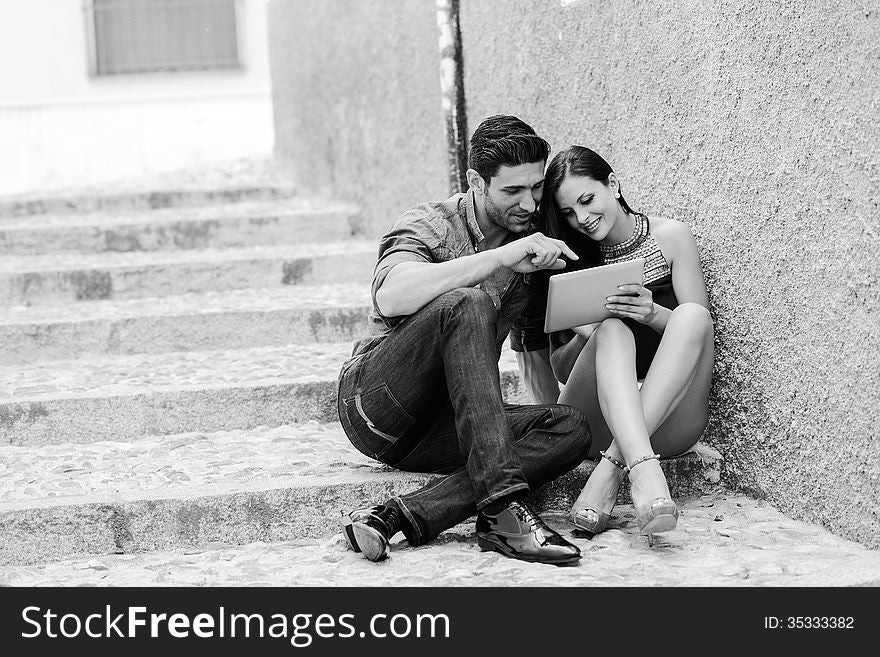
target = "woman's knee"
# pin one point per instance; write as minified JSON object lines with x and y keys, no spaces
{"x":695,"y":314}
{"x":612,"y":329}
{"x":693,"y":318}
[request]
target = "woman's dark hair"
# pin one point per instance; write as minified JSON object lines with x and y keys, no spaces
{"x":576,"y":161}
{"x":504,"y":141}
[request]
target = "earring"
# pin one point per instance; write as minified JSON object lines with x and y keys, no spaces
{"x":617,"y":195}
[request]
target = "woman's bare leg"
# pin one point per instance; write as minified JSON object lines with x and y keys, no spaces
{"x":672,"y":403}
{"x":603,"y":384}
{"x":581,"y":391}
{"x":675,"y":392}
{"x":621,"y":404}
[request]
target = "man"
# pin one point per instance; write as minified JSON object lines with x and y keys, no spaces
{"x":422,"y":393}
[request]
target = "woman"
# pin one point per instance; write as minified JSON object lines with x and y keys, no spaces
{"x":642,"y":377}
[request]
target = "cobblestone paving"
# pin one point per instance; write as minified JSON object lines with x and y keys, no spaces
{"x":721,"y":541}
{"x":226,"y":459}
{"x":105,"y":376}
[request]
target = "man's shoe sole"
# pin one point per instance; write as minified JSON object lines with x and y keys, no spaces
{"x":348,"y":533}
{"x":363,"y":538}
{"x":488,"y":545}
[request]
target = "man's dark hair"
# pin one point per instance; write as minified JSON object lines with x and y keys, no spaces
{"x":507,"y":141}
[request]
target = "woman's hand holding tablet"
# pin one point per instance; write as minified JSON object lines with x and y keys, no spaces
{"x":580,"y":297}
{"x":633,"y":301}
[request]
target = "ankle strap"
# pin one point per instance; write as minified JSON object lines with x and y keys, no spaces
{"x":642,"y":459}
{"x":619,"y":464}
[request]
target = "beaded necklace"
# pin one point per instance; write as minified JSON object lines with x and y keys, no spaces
{"x":640,"y":245}
{"x":640,"y":232}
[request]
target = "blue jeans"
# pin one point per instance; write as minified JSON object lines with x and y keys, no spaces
{"x":427,"y":398}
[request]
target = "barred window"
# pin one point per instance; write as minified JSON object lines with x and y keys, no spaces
{"x":150,"y":36}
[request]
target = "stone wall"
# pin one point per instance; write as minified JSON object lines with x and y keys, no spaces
{"x":357,"y":102}
{"x":756,"y":123}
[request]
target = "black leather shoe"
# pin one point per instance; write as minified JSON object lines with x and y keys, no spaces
{"x":370,"y":530}
{"x":519,"y":533}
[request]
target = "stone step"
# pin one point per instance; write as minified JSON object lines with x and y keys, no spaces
{"x":723,"y":540}
{"x":236,"y":487}
{"x":139,"y":196}
{"x":249,"y":223}
{"x":66,"y":278}
{"x":236,"y":319}
{"x":125,"y":397}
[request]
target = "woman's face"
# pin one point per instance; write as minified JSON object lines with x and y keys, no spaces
{"x":590,"y":207}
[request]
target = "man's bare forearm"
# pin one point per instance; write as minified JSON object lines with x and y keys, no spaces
{"x":411,"y":285}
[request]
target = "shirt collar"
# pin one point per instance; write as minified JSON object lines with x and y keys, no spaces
{"x":471,"y":220}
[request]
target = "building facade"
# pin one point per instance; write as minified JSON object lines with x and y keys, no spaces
{"x":99,"y":90}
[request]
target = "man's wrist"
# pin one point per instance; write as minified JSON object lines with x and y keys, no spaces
{"x":494,"y":256}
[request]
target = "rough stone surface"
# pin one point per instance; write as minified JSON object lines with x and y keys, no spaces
{"x":265,"y":483}
{"x":231,"y":181}
{"x":129,"y":396}
{"x":65,"y":278}
{"x":152,"y":465}
{"x":362,"y":121}
{"x":235,"y":319}
{"x":227,"y":225}
{"x":721,"y":540}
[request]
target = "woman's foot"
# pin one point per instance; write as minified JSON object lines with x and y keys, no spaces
{"x":592,"y":509}
{"x":655,"y":510}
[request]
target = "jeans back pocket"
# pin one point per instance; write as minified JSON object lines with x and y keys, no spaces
{"x":377,"y":419}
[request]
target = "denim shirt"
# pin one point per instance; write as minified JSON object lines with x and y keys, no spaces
{"x":438,"y":232}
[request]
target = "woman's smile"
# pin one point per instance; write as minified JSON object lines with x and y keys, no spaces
{"x":590,"y":224}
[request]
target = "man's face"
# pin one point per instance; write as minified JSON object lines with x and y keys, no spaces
{"x":511,"y":197}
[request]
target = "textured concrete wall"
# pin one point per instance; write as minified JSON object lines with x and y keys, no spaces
{"x":357,"y":101}
{"x":757,"y":123}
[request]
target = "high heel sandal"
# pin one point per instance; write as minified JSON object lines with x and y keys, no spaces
{"x":589,"y":519}
{"x":661,"y":515}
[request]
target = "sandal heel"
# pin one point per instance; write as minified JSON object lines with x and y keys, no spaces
{"x":660,"y":515}
{"x":589,"y":519}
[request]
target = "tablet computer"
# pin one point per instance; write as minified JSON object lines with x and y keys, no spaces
{"x":578,"y":297}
